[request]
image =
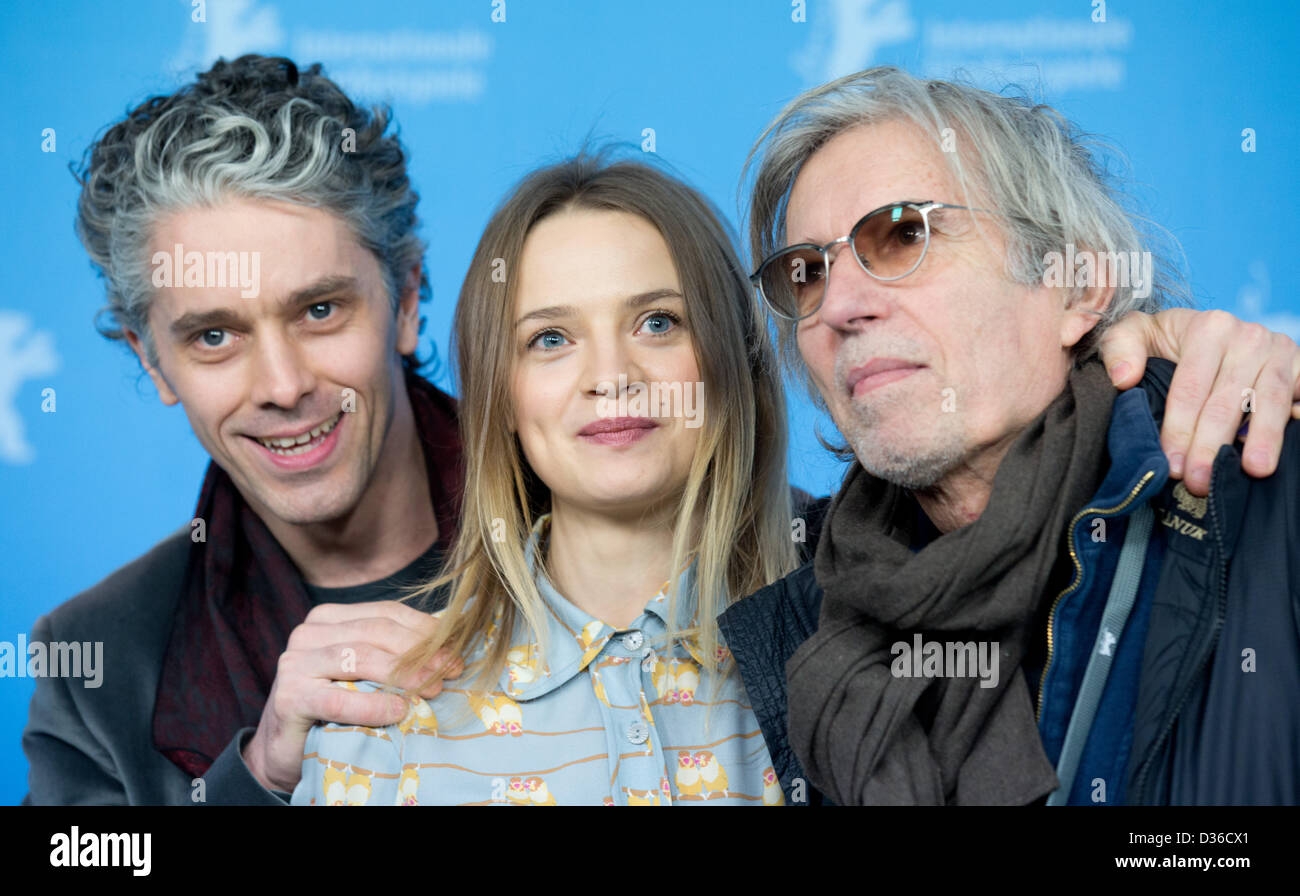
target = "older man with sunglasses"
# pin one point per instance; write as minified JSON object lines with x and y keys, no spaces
{"x":1017,"y":597}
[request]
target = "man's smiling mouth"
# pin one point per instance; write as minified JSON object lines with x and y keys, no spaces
{"x":288,"y":446}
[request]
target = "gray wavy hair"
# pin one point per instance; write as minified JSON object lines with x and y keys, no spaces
{"x":1040,"y":171}
{"x":256,"y":128}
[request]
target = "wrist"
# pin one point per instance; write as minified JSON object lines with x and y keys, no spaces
{"x":254,"y":756}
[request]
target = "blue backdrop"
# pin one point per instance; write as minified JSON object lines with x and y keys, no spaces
{"x":480,"y":102}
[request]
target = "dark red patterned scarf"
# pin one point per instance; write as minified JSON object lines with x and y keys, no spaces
{"x":243,"y":596}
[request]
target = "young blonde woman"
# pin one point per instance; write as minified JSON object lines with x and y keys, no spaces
{"x":625,"y":440}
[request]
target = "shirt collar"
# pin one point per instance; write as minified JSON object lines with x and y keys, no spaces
{"x":574,"y":637}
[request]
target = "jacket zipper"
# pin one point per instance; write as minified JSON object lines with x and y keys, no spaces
{"x":1078,"y":576}
{"x":1221,"y":603}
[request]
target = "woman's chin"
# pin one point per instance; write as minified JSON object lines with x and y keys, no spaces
{"x":620,"y":496}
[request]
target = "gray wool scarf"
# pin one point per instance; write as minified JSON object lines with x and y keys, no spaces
{"x":866,"y":736}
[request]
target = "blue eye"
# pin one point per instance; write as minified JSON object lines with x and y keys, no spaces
{"x":660,"y":322}
{"x":324,"y":309}
{"x":548,"y":340}
{"x":207,"y":338}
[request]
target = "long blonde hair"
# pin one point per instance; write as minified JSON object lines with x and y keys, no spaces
{"x":734,"y":513}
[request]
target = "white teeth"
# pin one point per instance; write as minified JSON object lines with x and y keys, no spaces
{"x":289,"y":446}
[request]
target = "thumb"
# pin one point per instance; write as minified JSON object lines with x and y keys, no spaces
{"x":1124,"y":352}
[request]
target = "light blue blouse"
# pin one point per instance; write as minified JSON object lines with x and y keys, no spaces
{"x":614,"y":716}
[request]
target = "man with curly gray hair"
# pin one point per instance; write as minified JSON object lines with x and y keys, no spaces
{"x":257,"y":235}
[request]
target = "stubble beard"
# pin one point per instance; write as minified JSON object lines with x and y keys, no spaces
{"x":892,"y":447}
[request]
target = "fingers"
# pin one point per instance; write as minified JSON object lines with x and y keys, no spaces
{"x":351,"y":661}
{"x":347,"y":707}
{"x":377,"y":631}
{"x":1125,"y":348}
{"x":340,"y":643}
{"x":1195,"y":386}
{"x":1269,"y":397}
{"x":366,"y":648}
{"x":1232,"y":396}
{"x":305,"y":691}
{"x":1226,"y":368}
{"x":396,"y":611}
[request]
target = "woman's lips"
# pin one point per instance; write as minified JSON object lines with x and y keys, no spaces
{"x":617,"y":430}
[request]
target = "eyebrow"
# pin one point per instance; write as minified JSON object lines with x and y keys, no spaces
{"x":640,"y":300}
{"x":819,"y":243}
{"x":220,"y":318}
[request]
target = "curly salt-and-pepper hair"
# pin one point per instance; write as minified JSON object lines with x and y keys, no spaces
{"x":255,"y":128}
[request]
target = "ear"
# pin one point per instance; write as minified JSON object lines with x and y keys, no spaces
{"x":164,"y":390}
{"x":1083,"y":312}
{"x":408,"y":313}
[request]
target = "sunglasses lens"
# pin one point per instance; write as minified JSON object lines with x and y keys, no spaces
{"x":890,"y":242}
{"x":792,"y":281}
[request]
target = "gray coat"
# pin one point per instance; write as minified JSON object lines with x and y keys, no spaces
{"x":94,"y":746}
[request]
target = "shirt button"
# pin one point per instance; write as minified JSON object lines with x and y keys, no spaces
{"x":633,"y":640}
{"x":638,"y":732}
